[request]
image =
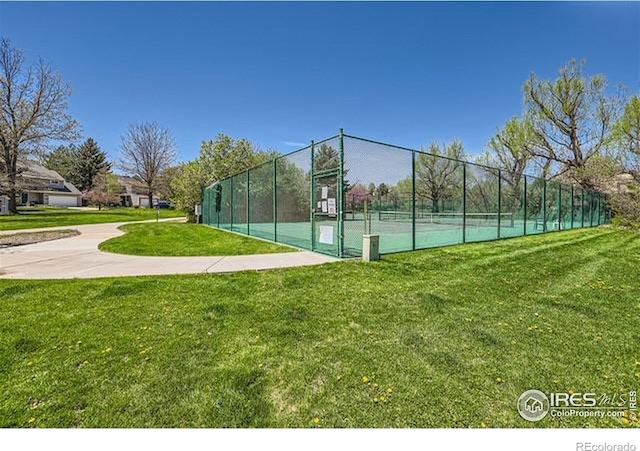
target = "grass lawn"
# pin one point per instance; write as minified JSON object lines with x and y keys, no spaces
{"x":32,"y":218}
{"x":441,"y":338}
{"x":185,"y":240}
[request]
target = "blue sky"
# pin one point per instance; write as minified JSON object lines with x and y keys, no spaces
{"x":281,"y":74}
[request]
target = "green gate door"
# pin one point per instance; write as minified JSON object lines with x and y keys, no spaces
{"x":325,"y":212}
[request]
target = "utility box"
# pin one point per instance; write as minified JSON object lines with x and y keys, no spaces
{"x":370,"y":248}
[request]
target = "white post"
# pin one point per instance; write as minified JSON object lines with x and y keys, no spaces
{"x":370,"y":248}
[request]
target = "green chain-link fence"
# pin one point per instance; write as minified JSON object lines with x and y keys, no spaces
{"x":325,"y":196}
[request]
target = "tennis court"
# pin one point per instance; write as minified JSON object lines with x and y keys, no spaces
{"x":326,"y":196}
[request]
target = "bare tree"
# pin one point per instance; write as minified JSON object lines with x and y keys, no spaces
{"x":571,"y":117}
{"x":147,"y":150}
{"x":33,"y":111}
{"x":439,"y":173}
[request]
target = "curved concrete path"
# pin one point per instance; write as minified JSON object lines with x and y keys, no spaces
{"x":79,"y":257}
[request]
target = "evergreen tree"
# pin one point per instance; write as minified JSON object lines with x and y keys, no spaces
{"x":63,"y":160}
{"x":91,"y":160}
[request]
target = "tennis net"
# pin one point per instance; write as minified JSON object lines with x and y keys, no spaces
{"x":449,"y":218}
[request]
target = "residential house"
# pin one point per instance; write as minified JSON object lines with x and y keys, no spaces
{"x":42,"y":186}
{"x":133,"y":193}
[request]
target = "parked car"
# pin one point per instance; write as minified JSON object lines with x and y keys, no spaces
{"x":162,"y":204}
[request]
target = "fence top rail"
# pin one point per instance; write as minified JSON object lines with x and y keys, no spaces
{"x":464,"y":162}
{"x":284,"y":155}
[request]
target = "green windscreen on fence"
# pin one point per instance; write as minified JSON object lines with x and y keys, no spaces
{"x":595,"y":199}
{"x":292,"y":194}
{"x":566,"y":213}
{"x":378,"y":193}
{"x":326,"y":196}
{"x":440,"y":191}
{"x":577,"y":208}
{"x":326,"y":193}
{"x":535,"y":189}
{"x":239,"y":205}
{"x":552,"y":206}
{"x":261,"y":223}
{"x":482,"y":218}
{"x":224,"y":221}
{"x":512,"y":202}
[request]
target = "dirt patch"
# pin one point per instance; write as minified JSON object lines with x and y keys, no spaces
{"x":20,"y":239}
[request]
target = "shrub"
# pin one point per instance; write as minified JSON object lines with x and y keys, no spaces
{"x":626,"y":208}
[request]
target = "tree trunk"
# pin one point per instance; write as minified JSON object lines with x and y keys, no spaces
{"x":13,"y":205}
{"x":150,"y":198}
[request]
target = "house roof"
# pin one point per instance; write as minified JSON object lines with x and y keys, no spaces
{"x":35,"y":170}
{"x":72,"y":189}
{"x":131,"y":185}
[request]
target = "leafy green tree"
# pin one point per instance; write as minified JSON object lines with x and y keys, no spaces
{"x":626,"y":137}
{"x":600,"y":170}
{"x":219,"y":158}
{"x":105,"y":191}
{"x":90,"y":160}
{"x":163,"y":186}
{"x":225,"y":156}
{"x":188,"y":184}
{"x":510,"y":149}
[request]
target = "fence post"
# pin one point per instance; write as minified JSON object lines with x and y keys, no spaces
{"x":525,"y":206}
{"x":231,"y":203}
{"x":311,"y":198}
{"x":413,"y":199}
{"x":582,"y":208}
{"x":559,"y":205}
{"x":341,"y":198}
{"x":464,"y":202}
{"x":573,"y":206}
{"x":599,"y":194}
{"x":275,"y":201}
{"x":248,"y":230}
{"x":499,"y":200}
{"x":544,"y":205}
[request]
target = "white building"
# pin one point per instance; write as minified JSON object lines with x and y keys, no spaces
{"x":133,"y":193}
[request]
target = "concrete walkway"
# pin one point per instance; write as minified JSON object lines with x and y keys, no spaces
{"x":79,"y":257}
